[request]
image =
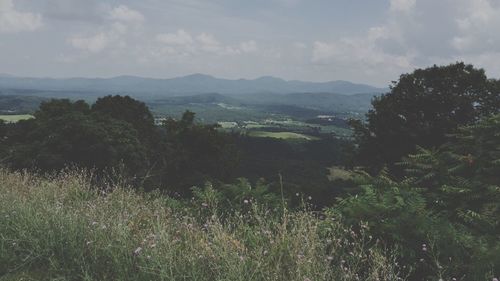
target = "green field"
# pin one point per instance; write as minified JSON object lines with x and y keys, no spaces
{"x":15,"y":118}
{"x":280,"y":135}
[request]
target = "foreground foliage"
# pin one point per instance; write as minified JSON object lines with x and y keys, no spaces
{"x":445,"y":214}
{"x":62,"y":228}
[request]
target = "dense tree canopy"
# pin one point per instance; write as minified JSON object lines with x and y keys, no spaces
{"x":421,"y":109}
{"x":129,"y":110}
{"x":198,"y":152}
{"x":119,"y":132}
{"x":67,"y":133}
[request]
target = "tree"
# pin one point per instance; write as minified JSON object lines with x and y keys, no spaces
{"x":421,"y":109}
{"x":195,"y":153}
{"x":129,"y":110}
{"x":461,"y":179}
{"x":67,"y":133}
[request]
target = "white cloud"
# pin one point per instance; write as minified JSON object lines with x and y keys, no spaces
{"x":402,"y":5}
{"x":12,"y":20}
{"x":478,"y":29}
{"x":93,"y":44}
{"x":418,"y":35}
{"x":181,"y":37}
{"x":249,"y":46}
{"x":124,"y":13}
{"x":182,"y":43}
{"x":112,"y":34}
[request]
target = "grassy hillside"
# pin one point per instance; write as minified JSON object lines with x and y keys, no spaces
{"x":64,"y":229}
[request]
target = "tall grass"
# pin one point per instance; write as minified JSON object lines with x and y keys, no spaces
{"x":64,"y":229}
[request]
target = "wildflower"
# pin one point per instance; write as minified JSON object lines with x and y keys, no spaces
{"x":424,"y":247}
{"x":307,"y":279}
{"x":494,"y":279}
{"x":297,"y":194}
{"x":137,"y":251}
{"x":242,"y":258}
{"x":265,"y":252}
{"x":310,"y":198}
{"x":300,"y":256}
{"x":245,"y":201}
{"x":93,"y":223}
{"x":204,"y":205}
{"x":329,"y":258}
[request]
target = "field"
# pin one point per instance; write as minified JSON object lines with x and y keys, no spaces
{"x":253,"y":121}
{"x":15,"y":118}
{"x":280,"y":135}
{"x":63,"y":228}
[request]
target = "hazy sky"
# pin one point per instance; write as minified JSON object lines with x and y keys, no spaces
{"x":370,"y":41}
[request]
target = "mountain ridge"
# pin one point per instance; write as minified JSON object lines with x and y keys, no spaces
{"x":196,"y":83}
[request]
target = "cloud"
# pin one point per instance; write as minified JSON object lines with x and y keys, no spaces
{"x":125,"y":14}
{"x":112,"y":34}
{"x":93,"y":44}
{"x":417,"y":34}
{"x":12,"y":20}
{"x":478,"y":29}
{"x":182,"y":43}
{"x":181,"y":37}
{"x":402,"y":5}
{"x":249,"y":46}
{"x":88,"y":11}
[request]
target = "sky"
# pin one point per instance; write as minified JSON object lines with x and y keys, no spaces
{"x":367,"y":41}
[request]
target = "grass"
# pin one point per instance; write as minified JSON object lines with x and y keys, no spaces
{"x":280,"y":135}
{"x":62,"y":228}
{"x":15,"y":118}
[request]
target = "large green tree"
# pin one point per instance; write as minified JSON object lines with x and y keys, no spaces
{"x":129,"y":110}
{"x":67,"y":133}
{"x":421,"y":109}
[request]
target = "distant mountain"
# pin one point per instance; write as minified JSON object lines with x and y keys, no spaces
{"x":182,"y":86}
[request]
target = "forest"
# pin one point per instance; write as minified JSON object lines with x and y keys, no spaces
{"x":412,"y":194}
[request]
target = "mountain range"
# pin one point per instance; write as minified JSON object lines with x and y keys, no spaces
{"x":182,"y":86}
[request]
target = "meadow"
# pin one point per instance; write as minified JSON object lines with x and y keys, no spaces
{"x":65,"y":228}
{"x":281,"y":135}
{"x":15,"y":118}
